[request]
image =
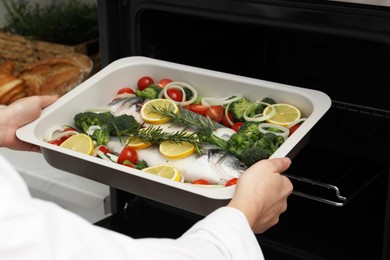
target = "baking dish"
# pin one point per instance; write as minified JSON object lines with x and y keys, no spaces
{"x":102,"y":87}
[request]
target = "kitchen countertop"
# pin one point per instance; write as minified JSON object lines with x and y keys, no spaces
{"x":85,"y":197}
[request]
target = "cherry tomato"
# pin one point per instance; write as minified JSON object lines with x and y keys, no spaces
{"x":104,"y":149}
{"x":55,"y":142}
{"x":144,"y":82}
{"x":231,"y":182}
{"x":200,"y":181}
{"x":62,"y":139}
{"x":236,"y":126}
{"x":128,"y":153}
{"x":162,"y":83}
{"x":293,"y":128}
{"x":215,"y":113}
{"x":198,"y":108}
{"x":225,"y":122}
{"x":125,"y":90}
{"x":175,"y":94}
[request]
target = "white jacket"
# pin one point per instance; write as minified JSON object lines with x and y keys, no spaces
{"x":32,"y":229}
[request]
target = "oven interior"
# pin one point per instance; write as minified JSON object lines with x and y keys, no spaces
{"x":340,"y":206}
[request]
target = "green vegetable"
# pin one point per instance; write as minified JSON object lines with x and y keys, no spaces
{"x":238,"y":107}
{"x":85,"y":120}
{"x":205,"y":135}
{"x":249,"y":145}
{"x":141,"y":164}
{"x":238,"y":143}
{"x":151,"y":92}
{"x":101,"y":136}
{"x":188,"y":93}
{"x":251,"y":129}
{"x":253,"y":154}
{"x":123,"y":125}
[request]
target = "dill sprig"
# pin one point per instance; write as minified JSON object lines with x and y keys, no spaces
{"x":157,"y":135}
{"x":185,"y":118}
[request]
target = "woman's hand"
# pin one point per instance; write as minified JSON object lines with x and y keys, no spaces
{"x":261,"y":193}
{"x":17,"y":114}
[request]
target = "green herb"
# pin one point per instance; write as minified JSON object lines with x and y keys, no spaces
{"x":65,"y":22}
{"x":186,"y":118}
{"x":156,"y":135}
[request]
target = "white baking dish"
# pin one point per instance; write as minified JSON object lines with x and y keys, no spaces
{"x":102,"y":87}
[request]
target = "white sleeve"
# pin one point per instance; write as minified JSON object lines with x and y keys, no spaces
{"x":35,"y":229}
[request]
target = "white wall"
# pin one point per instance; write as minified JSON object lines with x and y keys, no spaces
{"x":41,"y":2}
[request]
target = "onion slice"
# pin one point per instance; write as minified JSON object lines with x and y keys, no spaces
{"x":212,"y":101}
{"x":227,"y":115}
{"x":259,"y":117}
{"x":263,"y":129}
{"x":180,"y":86}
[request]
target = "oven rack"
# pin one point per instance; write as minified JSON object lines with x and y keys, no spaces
{"x":346,"y":152}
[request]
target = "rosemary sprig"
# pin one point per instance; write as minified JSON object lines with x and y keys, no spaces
{"x":185,"y":118}
{"x":157,"y":135}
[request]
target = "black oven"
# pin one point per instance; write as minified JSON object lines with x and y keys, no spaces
{"x":340,"y":208}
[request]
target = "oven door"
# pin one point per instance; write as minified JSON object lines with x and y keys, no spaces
{"x":340,"y":206}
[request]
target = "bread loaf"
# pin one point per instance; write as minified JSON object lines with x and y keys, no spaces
{"x":56,"y":76}
{"x":11,"y":89}
{"x":7,"y":68}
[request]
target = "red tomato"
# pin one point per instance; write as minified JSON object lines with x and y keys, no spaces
{"x":175,"y":94}
{"x":225,"y":122}
{"x":62,"y":139}
{"x":104,"y":149}
{"x":162,"y":83}
{"x":144,"y":82}
{"x":198,"y":108}
{"x":231,"y":182}
{"x":125,"y":90}
{"x":215,"y":113}
{"x":128,"y":153}
{"x":200,"y":181}
{"x":293,"y":128}
{"x":236,"y":126}
{"x":55,"y":142}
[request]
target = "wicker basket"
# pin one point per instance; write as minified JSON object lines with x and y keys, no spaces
{"x":23,"y":50}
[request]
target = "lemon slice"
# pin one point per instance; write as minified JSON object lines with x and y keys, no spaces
{"x":80,"y":143}
{"x":151,"y":117}
{"x":174,"y":150}
{"x":136,"y":143}
{"x":164,"y":170}
{"x":285,"y":114}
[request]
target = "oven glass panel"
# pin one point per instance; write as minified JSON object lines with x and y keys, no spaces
{"x":350,"y":70}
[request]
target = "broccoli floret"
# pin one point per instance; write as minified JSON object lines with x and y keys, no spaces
{"x":238,"y":107}
{"x":238,"y":143}
{"x":123,"y":125}
{"x":141,"y":164}
{"x":205,"y":135}
{"x":260,"y":108}
{"x":249,"y":152}
{"x":101,"y":136}
{"x":105,"y":118}
{"x":252,"y":155}
{"x":270,"y":142}
{"x":85,"y":120}
{"x":151,"y":92}
{"x":189,"y":93}
{"x":251,"y":129}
